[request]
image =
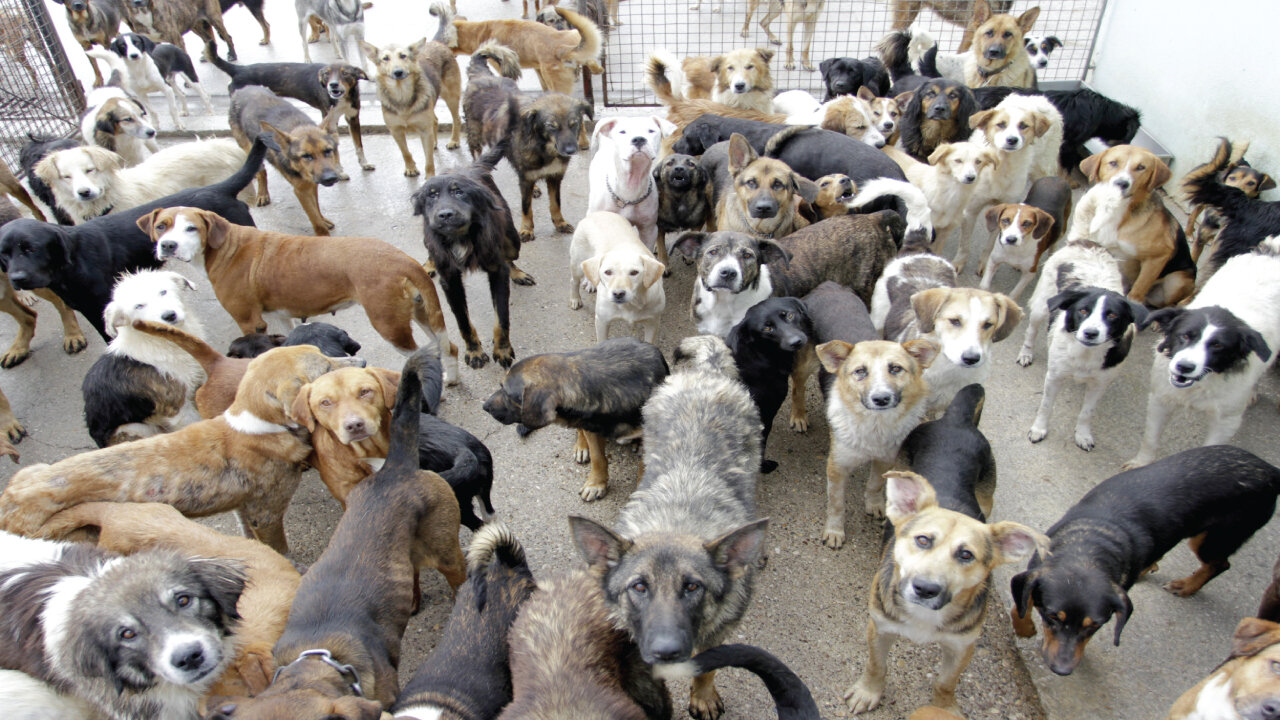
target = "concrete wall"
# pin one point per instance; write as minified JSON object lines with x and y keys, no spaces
{"x":1196,"y":71}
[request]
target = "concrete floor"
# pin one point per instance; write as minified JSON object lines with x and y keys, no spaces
{"x":810,"y":603}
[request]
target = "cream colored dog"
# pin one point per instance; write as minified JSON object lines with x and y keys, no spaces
{"x":623,"y":273}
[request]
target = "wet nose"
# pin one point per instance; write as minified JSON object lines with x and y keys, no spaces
{"x":1011,"y":141}
{"x":881,"y":399}
{"x":169,"y":316}
{"x":445,"y":214}
{"x":728,"y":273}
{"x":739,"y":87}
{"x":1010,"y":240}
{"x":151,"y":132}
{"x":1090,"y":333}
{"x":167,"y":247}
{"x":926,"y":589}
{"x":971,"y":357}
{"x":796,"y":343}
{"x":1270,"y":710}
{"x":995,"y":52}
{"x":328,"y":177}
{"x":1121,"y":183}
{"x":85,"y":193}
{"x":619,"y":295}
{"x":354,"y":426}
{"x":1185,"y":367}
{"x":17,"y":277}
{"x":764,"y":208}
{"x":188,"y":658}
{"x":638,"y":141}
{"x":398,"y":74}
{"x":666,"y":649}
{"x":569,"y":148}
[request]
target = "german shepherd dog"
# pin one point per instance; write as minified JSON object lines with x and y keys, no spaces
{"x":304,"y":153}
{"x":761,"y":197}
{"x":679,"y":571}
{"x":410,"y":80}
{"x":999,"y":54}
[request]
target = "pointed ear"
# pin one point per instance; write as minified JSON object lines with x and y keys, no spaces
{"x":1023,"y":586}
{"x":1252,"y":636}
{"x":216,"y":228}
{"x":766,"y":54}
{"x":865,"y":93}
{"x":1027,"y":20}
{"x":1010,"y":316}
{"x":1123,"y":608}
{"x":741,"y":154}
{"x":665,"y":126}
{"x":370,"y":51}
{"x":416,"y":48}
{"x":652,"y":270}
{"x":1044,"y":223}
{"x":300,"y":410}
{"x":148,"y":221}
{"x":993,"y":213}
{"x":689,"y":244}
{"x":282,"y":138}
{"x":833,"y":354}
{"x":738,"y":549}
{"x":591,"y":269}
{"x":179,"y":281}
{"x":601,"y":547}
{"x":906,"y":494}
{"x":389,"y":380}
{"x":926,"y":304}
{"x":924,"y":351}
{"x":1089,"y":166}
{"x":981,"y":13}
{"x":1016,"y":543}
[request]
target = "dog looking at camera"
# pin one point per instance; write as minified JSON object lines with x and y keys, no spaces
{"x":410,"y":80}
{"x":999,"y":54}
{"x":608,"y":258}
{"x":621,"y":181}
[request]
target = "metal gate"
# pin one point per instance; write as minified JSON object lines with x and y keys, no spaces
{"x":847,"y":28}
{"x":39,"y":94}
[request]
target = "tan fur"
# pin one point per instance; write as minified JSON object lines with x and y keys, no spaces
{"x":710,"y":78}
{"x":128,"y":528}
{"x":834,"y":194}
{"x":755,"y":178}
{"x":806,"y":13}
{"x":608,"y":253}
{"x":8,"y":183}
{"x":848,"y":115}
{"x":327,"y":405}
{"x":73,"y":340}
{"x":222,"y":373}
{"x":11,"y":431}
{"x":1249,"y":670}
{"x":1004,"y":31}
{"x":891,"y":108}
{"x":409,"y":103}
{"x":202,"y":469}
{"x":942,"y":181}
{"x":552,"y":53}
{"x":956,"y":12}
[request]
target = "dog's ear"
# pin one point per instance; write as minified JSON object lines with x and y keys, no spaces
{"x":416,"y":49}
{"x":224,"y":580}
{"x":906,"y":494}
{"x":904,"y":99}
{"x":738,"y":549}
{"x":1044,"y":223}
{"x":531,"y":119}
{"x":834,"y":113}
{"x":993,"y":158}
{"x":993,"y":213}
{"x":1139,"y":311}
{"x":601,"y":547}
{"x":941,"y":153}
{"x":765,"y":54}
{"x":1023,"y":587}
{"x":1053,"y":42}
{"x":981,"y":13}
{"x":1163,"y":317}
{"x":357,"y":708}
{"x":114,"y":316}
{"x":216,"y":228}
{"x":924,"y":351}
{"x":1158,"y":175}
{"x":1123,"y":608}
{"x":1016,"y":543}
{"x":1007,"y":318}
{"x":605,"y":128}
{"x":389,"y":380}
{"x":1039,"y":124}
{"x":981,"y":118}
{"x":668,"y":128}
{"x":1254,"y":341}
{"x":771,"y":253}
{"x":689,"y":244}
{"x":1027,"y":20}
{"x":1089,"y":166}
{"x":179,"y":281}
{"x":591,"y":269}
{"x":926,"y":304}
{"x":538,"y":407}
{"x":652,"y":270}
{"x":1266,"y":182}
{"x":103,"y":159}
{"x":47,"y":169}
{"x":370,"y":51}
{"x":586,"y":110}
{"x":716,"y":62}
{"x":300,"y":410}
{"x":1252,"y":636}
{"x":741,"y":154}
{"x":147,"y":222}
{"x":1064,"y":300}
{"x":866,"y":93}
{"x":282,"y":138}
{"x":106,"y":123}
{"x":824,"y":67}
{"x":833,"y":354}
{"x":147,"y":43}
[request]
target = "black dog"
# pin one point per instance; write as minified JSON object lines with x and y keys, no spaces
{"x":791,"y":697}
{"x":32,"y":153}
{"x":80,"y":264}
{"x":1248,"y":220}
{"x":844,"y":75}
{"x":1086,"y":114}
{"x":1216,"y":496}
{"x":955,"y":456}
{"x":766,"y":345}
{"x":466,"y":226}
{"x":938,"y":113}
{"x":330,"y":339}
{"x":835,"y":313}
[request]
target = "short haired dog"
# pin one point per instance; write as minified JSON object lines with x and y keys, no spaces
{"x":1025,"y":231}
{"x":114,"y":120}
{"x":609,"y":258}
{"x":766,"y":347}
{"x":410,"y":80}
{"x":760,"y":196}
{"x":1248,"y":220}
{"x":1245,"y":684}
{"x":621,"y":177}
{"x":852,"y":250}
{"x":733,"y":275}
{"x":344,"y":18}
{"x":1040,"y":48}
{"x":93,"y":22}
{"x":684,"y":198}
{"x":599,"y":391}
{"x":999,"y":54}
{"x":150,"y":67}
{"x":1118,"y":531}
{"x":330,"y":339}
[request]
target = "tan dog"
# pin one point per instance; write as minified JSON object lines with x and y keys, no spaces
{"x":999,"y":55}
{"x":223,"y":373}
{"x":255,"y":272}
{"x":17,"y":307}
{"x":761,"y":197}
{"x":249,"y":459}
{"x":127,"y":528}
{"x":1136,"y":226}
{"x":835,"y":194}
{"x":740,"y":78}
{"x":796,"y":13}
{"x":956,"y":12}
{"x":409,"y":81}
{"x":934,"y":581}
{"x":624,"y":274}
{"x":1244,"y":684}
{"x":948,"y":181}
{"x":11,"y":431}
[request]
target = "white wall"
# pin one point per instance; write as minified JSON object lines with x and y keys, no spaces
{"x":1196,"y":70}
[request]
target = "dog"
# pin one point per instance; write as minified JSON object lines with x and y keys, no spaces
{"x":916,"y":228}
{"x":935,"y":571}
{"x":733,"y":275}
{"x":1216,"y":348}
{"x":948,"y":180}
{"x":1247,"y":220}
{"x":410,"y":80}
{"x":353,"y":604}
{"x":148,"y":67}
{"x":739,"y":78}
{"x":142,"y":636}
{"x":116,"y":121}
{"x":10,"y":186}
{"x":1237,"y":174}
{"x":999,"y":55}
{"x":567,"y":389}
{"x":621,"y":177}
{"x":1092,"y":326}
{"x":93,"y":22}
{"x":807,"y":12}
{"x":760,"y":195}
{"x":330,"y":339}
{"x":1024,"y":232}
{"x":1076,"y":588}
{"x":392,"y":287}
{"x":344,"y":18}
{"x":1086,"y":114}
{"x":89,"y":181}
{"x":957,"y":13}
{"x":130,"y":528}
{"x":678,"y":573}
{"x":1243,"y":685}
{"x":792,"y":698}
{"x":684,"y":198}
{"x":835,"y":194}
{"x":142,"y":386}
{"x":1039,"y":48}
{"x":846,"y":75}
{"x":940,"y":111}
{"x":852,"y":250}
{"x":609,"y":257}
{"x":1123,"y":213}
{"x":19,"y":308}
{"x":851,"y":114}
{"x":766,"y":347}
{"x":467,"y":675}
{"x":169,"y":21}
{"x":32,"y":153}
{"x":81,"y":263}
{"x":886,"y":113}
{"x":552,"y":54}
{"x":200,"y":469}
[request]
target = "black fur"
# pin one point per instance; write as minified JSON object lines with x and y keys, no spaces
{"x":837,"y":314}
{"x":791,"y":696}
{"x":1248,"y":220}
{"x":1120,"y":314}
{"x":119,"y":390}
{"x":941,"y":101}
{"x":1232,"y":340}
{"x":844,"y":75}
{"x":954,"y":454}
{"x":32,"y":153}
{"x":300,"y":81}
{"x":684,"y":193}
{"x":332,"y":340}
{"x":1086,"y":114}
{"x":169,"y":58}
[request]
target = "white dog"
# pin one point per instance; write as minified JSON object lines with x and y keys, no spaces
{"x":622,"y":174}
{"x":114,"y":120}
{"x":948,"y":181}
{"x":616,"y":265}
{"x":850,"y":115}
{"x":345,"y":19}
{"x":91,"y":181}
{"x":147,"y":67}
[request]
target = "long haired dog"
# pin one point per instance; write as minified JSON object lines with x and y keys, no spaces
{"x":846,"y":75}
{"x":139,"y":637}
{"x":35,"y":150}
{"x":114,"y":120}
{"x":143,"y":385}
{"x":934,"y":579}
{"x":1091,"y":323}
{"x":467,"y":227}
{"x":344,"y":18}
{"x":1245,"y":684}
{"x":948,"y":180}
{"x":999,"y":53}
{"x":739,"y":78}
{"x":92,"y":181}
{"x":678,"y":573}
{"x":939,"y":112}
{"x":410,"y":80}
{"x":146,"y":67}
{"x":1216,"y":348}
{"x":1237,"y":174}
{"x":1247,"y":220}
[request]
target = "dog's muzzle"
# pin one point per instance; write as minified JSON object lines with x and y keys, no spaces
{"x":399,"y":74}
{"x":168,"y":249}
{"x":881,"y":400}
{"x":841,"y":88}
{"x":1180,"y":374}
{"x":971,"y":358}
{"x":940,"y":110}
{"x":679,"y":178}
{"x":1009,"y":239}
{"x":620,"y":296}
{"x":568,"y":149}
{"x":995,"y":52}
{"x":969,"y":179}
{"x":328,"y":177}
{"x":740,"y":87}
{"x":192,"y":661}
{"x":726,"y":278}
{"x":1089,"y":337}
{"x":336,"y":91}
{"x":19,"y":280}
{"x":926,"y":593}
{"x":764,"y":208}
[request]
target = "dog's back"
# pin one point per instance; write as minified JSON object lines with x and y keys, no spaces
{"x":891,"y":309}
{"x":955,"y":456}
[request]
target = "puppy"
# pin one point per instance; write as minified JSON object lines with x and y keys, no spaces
{"x":1242,"y":686}
{"x":143,"y":385}
{"x":609,"y":258}
{"x":760,"y":198}
{"x":846,"y":75}
{"x":885,"y":113}
{"x":1082,"y":581}
{"x":114,"y":120}
{"x":148,"y":67}
{"x":1215,"y":349}
{"x":939,"y":112}
{"x":766,"y":347}
{"x":740,"y":78}
{"x":852,"y":250}
{"x":621,"y":180}
{"x":1092,"y":326}
{"x":684,"y":198}
{"x":733,"y":275}
{"x":1039,"y":48}
{"x":678,"y":573}
{"x":835,"y":194}
{"x":569,"y":389}
{"x":1024,"y":232}
{"x":935,"y":571}
{"x":1247,"y":221}
{"x":410,"y":80}
{"x":948,"y":181}
{"x":999,"y":55}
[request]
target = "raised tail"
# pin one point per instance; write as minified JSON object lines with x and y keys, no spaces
{"x":493,"y":542}
{"x":662,"y":72}
{"x":491,"y":157}
{"x":402,"y":448}
{"x":791,"y":697}
{"x":966,"y":406}
{"x":203,"y":352}
{"x":895,"y":53}
{"x":588,"y":51}
{"x":505,"y":58}
{"x":252,"y":164}
{"x":426,"y":360}
{"x":226,"y":66}
{"x":919,"y":217}
{"x":1197,"y":184}
{"x":446,"y":33}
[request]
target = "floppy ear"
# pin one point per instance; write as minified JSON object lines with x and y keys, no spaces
{"x":741,"y":154}
{"x":766,"y":54}
{"x":1064,"y":299}
{"x":904,"y":99}
{"x":47,"y":169}
{"x":1139,"y":311}
{"x":866,"y":93}
{"x":360,"y":73}
{"x":981,"y":13}
{"x":300,"y":411}
{"x":1252,"y":636}
{"x":179,"y":281}
{"x":389,"y":380}
{"x":738,"y":549}
{"x":665,"y":126}
{"x":591,"y":269}
{"x":1266,"y":182}
{"x":1053,"y":42}
{"x":148,"y":221}
{"x":358,"y":708}
{"x":652,"y":270}
{"x":689,"y":244}
{"x":981,"y":118}
{"x":538,"y":407}
{"x":1039,"y":124}
{"x":716,"y":62}
{"x":1016,"y":542}
{"x":114,"y":316}
{"x":1023,"y":587}
{"x":1044,"y":223}
{"x":905,"y":494}
{"x":1254,"y":341}
{"x":924,"y":351}
{"x":1011,"y":315}
{"x":940,"y":153}
{"x":224,"y":580}
{"x":105,"y":123}
{"x":1123,"y":608}
{"x":1027,"y":20}
{"x":370,"y":51}
{"x":605,"y":128}
{"x":1089,"y":166}
{"x":992,"y":214}
{"x":531,"y":119}
{"x":824,"y":67}
{"x":1162,"y":317}
{"x":216,"y":228}
{"x":147,"y":44}
{"x":601,"y":547}
{"x":926,"y":304}
{"x":992,"y":156}
{"x":282,"y":138}
{"x":1160,"y":175}
{"x":771,"y":253}
{"x":585,"y":108}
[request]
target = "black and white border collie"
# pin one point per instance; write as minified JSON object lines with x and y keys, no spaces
{"x":1039,"y":48}
{"x":1216,"y":348}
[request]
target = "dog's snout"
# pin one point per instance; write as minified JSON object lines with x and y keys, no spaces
{"x":188,"y":658}
{"x":882,"y":399}
{"x":1089,"y":333}
{"x":995,"y":52}
{"x":797,"y":342}
{"x":1270,"y":709}
{"x":18,"y":278}
{"x":926,"y":589}
{"x":354,"y":426}
{"x":169,"y":316}
{"x":619,"y":296}
{"x":666,"y":649}
{"x":939,"y":111}
{"x":728,"y":273}
{"x":1010,"y":240}
{"x":151,"y":132}
{"x":399,"y":73}
{"x":971,"y":357}
{"x":1185,"y":367}
{"x":967,"y":179}
{"x":85,"y":193}
{"x":445,"y":214}
{"x":740,"y":87}
{"x":1122,"y":183}
{"x":764,"y":208}
{"x":167,"y":247}
{"x":1012,"y":141}
{"x":638,"y":141}
{"x":334,"y":87}
{"x":328,"y":177}
{"x":569,"y":148}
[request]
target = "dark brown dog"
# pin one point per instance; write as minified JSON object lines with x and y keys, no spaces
{"x":305,"y":154}
{"x":937,"y":113}
{"x":169,"y":20}
{"x":93,"y":22}
{"x":684,"y":198}
{"x":598,"y":391}
{"x":1269,"y":608}
{"x":849,"y":249}
{"x":760,"y":198}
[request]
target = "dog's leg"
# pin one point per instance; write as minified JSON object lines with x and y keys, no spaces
{"x":1157,"y":416}
{"x":204,"y":96}
{"x":500,"y":294}
{"x":553,"y":201}
{"x":262,"y":22}
{"x":303,"y":22}
{"x":966,"y":239}
{"x":73,"y":340}
{"x":1023,"y":281}
{"x":263,"y":518}
{"x":837,"y":477}
{"x":704,"y":699}
{"x":353,"y":124}
{"x":649,"y":329}
{"x":752,"y":5}
{"x":989,"y":265}
{"x":451,"y":91}
{"x":308,"y":196}
{"x":410,"y":167}
{"x":1038,"y":316}
{"x":1094,"y":390}
{"x":427,"y":314}
{"x":1040,"y":427}
{"x":800,"y":372}
{"x":792,"y":18}
{"x":264,"y":195}
{"x":866,"y":692}
{"x":1222,"y":427}
{"x":428,"y":139}
{"x":456,"y":294}
{"x":591,"y":447}
{"x":810,"y":27}
{"x":97,"y":74}
{"x":873,"y":494}
{"x":172,"y":100}
{"x":526,"y":209}
{"x":179,"y":94}
{"x":775,"y":9}
{"x":9,"y":425}
{"x":1148,"y":274}
{"x":955,"y":658}
{"x":26,"y":318}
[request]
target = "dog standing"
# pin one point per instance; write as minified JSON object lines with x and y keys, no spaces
{"x":679,"y":571}
{"x":171,"y":19}
{"x":1025,"y":231}
{"x":620,"y":177}
{"x":684,"y":198}
{"x":999,"y":55}
{"x":769,"y":343}
{"x":948,"y":181}
{"x":410,"y":80}
{"x":1243,"y":686}
{"x":149,"y":67}
{"x":344,"y":18}
{"x":93,"y":22}
{"x":608,"y":256}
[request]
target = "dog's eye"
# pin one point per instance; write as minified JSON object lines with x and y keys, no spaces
{"x":1008,"y":34}
{"x":751,"y":183}
{"x":326,"y":402}
{"x":457,"y":191}
{"x":895,"y":369}
{"x":991,"y":33}
{"x":182,"y":600}
{"x":1002,"y":124}
{"x":1275,"y":667}
{"x":692,"y":586}
{"x":1113,"y":163}
{"x":1022,"y":126}
{"x":1111,"y":316}
{"x":860,"y":373}
{"x":366,"y":393}
{"x":1186,"y":337}
{"x":640,"y":587}
{"x":633,"y":273}
{"x":955,"y":322}
{"x":1004,"y":222}
{"x":777,"y":184}
{"x":139,"y":306}
{"x":308,"y":156}
{"x":924,"y":542}
{"x":161,"y":227}
{"x":965,"y":555}
{"x":608,"y":273}
{"x":747,"y":254}
{"x":163,"y":293}
{"x":713,"y":252}
{"x":988,"y":325}
{"x":127,"y":634}
{"x":1215,"y":345}
{"x":1083,"y":311}
{"x":1140,"y":168}
{"x":751,"y":67}
{"x":767,"y":328}
{"x":191,"y":228}
{"x":328,"y":152}
{"x":622,"y":132}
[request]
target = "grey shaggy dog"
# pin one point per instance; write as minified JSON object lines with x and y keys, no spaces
{"x":679,"y":571}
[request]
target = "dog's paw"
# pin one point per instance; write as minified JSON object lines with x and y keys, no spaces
{"x":522,"y":278}
{"x":475,"y":359}
{"x":808,"y":66}
{"x":264,"y":42}
{"x":1185,"y":587}
{"x":504,"y":356}
{"x":13,"y":358}
{"x":451,"y":145}
{"x":368,"y":167}
{"x":263,"y":200}
{"x":526,"y":236}
{"x":862,"y":697}
{"x":789,"y":66}
{"x":586,"y":286}
{"x":799,"y":423}
{"x":1134,"y":463}
{"x":1025,"y":358}
{"x":523,"y":431}
{"x":14,"y":431}
{"x":328,"y":223}
{"x":874,"y":507}
{"x":591,"y":492}
{"x":768,"y":466}
{"x":833,"y":538}
{"x":1036,"y":434}
{"x":11,"y":451}
{"x":745,"y":33}
{"x":411,"y":172}
{"x":564,"y":227}
{"x":575,"y":303}
{"x":1084,"y":440}
{"x":706,"y":705}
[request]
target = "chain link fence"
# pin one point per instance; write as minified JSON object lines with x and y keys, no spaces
{"x":39,"y":94}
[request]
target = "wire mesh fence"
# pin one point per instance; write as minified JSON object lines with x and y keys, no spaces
{"x":39,"y":95}
{"x":845,"y":28}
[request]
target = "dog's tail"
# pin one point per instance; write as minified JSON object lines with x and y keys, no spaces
{"x":966,"y":406}
{"x":665,"y":77}
{"x":921,"y":42}
{"x":895,"y":53}
{"x":1269,"y":246}
{"x":505,"y":58}
{"x":113,"y":61}
{"x":446,"y":33}
{"x":252,"y":164}
{"x":919,"y":217}
{"x":426,"y":361}
{"x":494,"y":542}
{"x":587,"y":53}
{"x":402,"y":447}
{"x":226,"y":66}
{"x":1199,"y":185}
{"x":491,"y":157}
{"x":203,"y":352}
{"x":773,"y":146}
{"x":791,"y":697}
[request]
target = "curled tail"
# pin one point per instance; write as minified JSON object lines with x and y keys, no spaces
{"x":1196,"y":186}
{"x":203,"y":352}
{"x":493,"y":542}
{"x":895,"y":53}
{"x":402,"y":449}
{"x":505,"y":58}
{"x":919,"y":217}
{"x":790,"y":695}
{"x":588,"y":51}
{"x":446,"y":33}
{"x":773,"y":147}
{"x":662,"y":72}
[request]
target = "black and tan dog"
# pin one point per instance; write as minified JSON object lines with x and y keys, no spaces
{"x":304,"y":153}
{"x":1246,"y":685}
{"x":684,"y":198}
{"x":598,"y":391}
{"x":1239,"y":175}
{"x":1119,"y":530}
{"x":938,"y":113}
{"x":467,"y":227}
{"x":1248,"y":219}
{"x":760,"y":198}
{"x":93,"y":22}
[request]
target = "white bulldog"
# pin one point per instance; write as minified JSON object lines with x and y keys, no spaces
{"x":622,"y":173}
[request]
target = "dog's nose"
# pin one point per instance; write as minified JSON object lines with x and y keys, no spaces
{"x":354,"y":426}
{"x":1121,"y":183}
{"x":445,"y":214}
{"x":85,"y":193}
{"x":796,"y":343}
{"x":1010,"y":240}
{"x":995,"y":52}
{"x":167,"y":247}
{"x":638,"y":141}
{"x":134,"y":56}
{"x":764,"y":208}
{"x":398,"y":74}
{"x":739,"y":87}
{"x":727,"y":273}
{"x":18,"y":278}
{"x":1184,"y":367}
{"x":1089,"y":333}
{"x":879,"y":143}
{"x":1011,"y":141}
{"x":968,"y":179}
{"x":151,"y":132}
{"x":188,"y":658}
{"x":334,"y":87}
{"x":328,"y":177}
{"x":926,"y":589}
{"x":169,"y":316}
{"x":887,"y":125}
{"x":1270,"y":709}
{"x":882,"y":399}
{"x":666,"y":648}
{"x":840,"y":88}
{"x":971,"y":357}
{"x":619,"y":295}
{"x":569,"y":148}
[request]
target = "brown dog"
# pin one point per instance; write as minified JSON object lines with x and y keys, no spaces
{"x":73,"y":340}
{"x":9,"y":183}
{"x":223,"y":373}
{"x":410,"y":80}
{"x":255,"y":271}
{"x":11,"y":431}
{"x":127,"y":528}
{"x":93,"y":22}
{"x":761,"y":197}
{"x":1243,"y":685}
{"x":999,"y":55}
{"x":171,"y":19}
{"x":835,"y":193}
{"x":1141,"y":232}
{"x":304,"y":153}
{"x":740,"y":78}
{"x":249,"y":459}
{"x":956,"y":12}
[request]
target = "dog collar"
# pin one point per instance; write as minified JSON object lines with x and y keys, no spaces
{"x":625,"y":203}
{"x":326,"y":657}
{"x":986,"y":74}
